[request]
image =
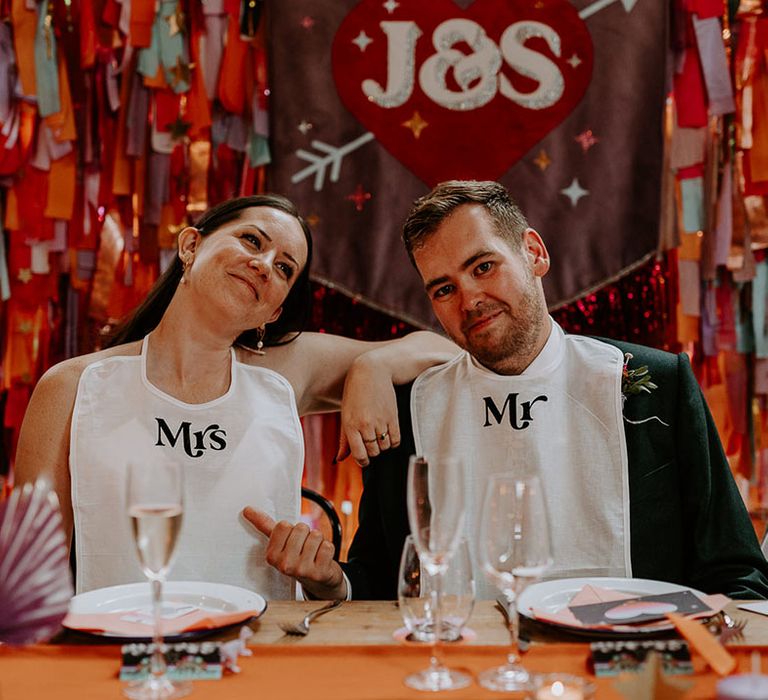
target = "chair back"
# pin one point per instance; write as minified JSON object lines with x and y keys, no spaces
{"x":330,"y":512}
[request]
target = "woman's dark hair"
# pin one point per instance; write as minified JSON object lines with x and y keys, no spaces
{"x":296,"y":307}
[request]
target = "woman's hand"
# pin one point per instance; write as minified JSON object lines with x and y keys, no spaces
{"x":369,"y":421}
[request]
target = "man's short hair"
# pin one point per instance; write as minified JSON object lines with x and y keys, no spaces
{"x":432,"y":209}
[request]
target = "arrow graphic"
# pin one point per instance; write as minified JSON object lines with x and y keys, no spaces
{"x":333,"y":157}
{"x":598,"y":5}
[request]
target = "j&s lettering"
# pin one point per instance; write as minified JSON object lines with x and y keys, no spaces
{"x":519,"y":417}
{"x":477,"y":74}
{"x":194,"y":443}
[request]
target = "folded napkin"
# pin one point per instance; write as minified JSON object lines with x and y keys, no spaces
{"x":126,"y":624}
{"x":594,"y":594}
{"x":703,"y":641}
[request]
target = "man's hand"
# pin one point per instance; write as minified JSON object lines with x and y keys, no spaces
{"x":305,"y":554}
{"x":369,"y":423}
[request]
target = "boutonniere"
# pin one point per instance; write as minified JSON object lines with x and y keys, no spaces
{"x":636,"y":381}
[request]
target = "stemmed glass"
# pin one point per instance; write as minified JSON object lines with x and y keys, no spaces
{"x":414,"y":594}
{"x":515,"y":550}
{"x":155,"y":505}
{"x":436,"y":517}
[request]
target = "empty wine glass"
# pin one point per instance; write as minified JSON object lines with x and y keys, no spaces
{"x":414,"y":594}
{"x":155,"y":505}
{"x":436,"y":516}
{"x":515,"y":551}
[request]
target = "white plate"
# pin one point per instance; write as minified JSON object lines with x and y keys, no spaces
{"x":214,"y":597}
{"x":552,"y":596}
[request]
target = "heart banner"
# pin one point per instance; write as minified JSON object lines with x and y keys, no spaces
{"x":374,"y":102}
{"x":484,"y":98}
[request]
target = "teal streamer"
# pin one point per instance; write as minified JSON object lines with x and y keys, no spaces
{"x":759,"y":291}
{"x":46,"y":66}
{"x":745,"y":338}
{"x":173,"y":49}
{"x":148,"y":62}
{"x":692,"y":190}
{"x":258,"y":150}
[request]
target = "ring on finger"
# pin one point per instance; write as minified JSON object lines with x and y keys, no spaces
{"x":383,"y":436}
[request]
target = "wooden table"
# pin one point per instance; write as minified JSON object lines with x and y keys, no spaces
{"x":373,"y":622}
{"x":349,"y":654}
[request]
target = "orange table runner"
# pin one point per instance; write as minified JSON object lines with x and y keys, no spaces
{"x":293,"y":672}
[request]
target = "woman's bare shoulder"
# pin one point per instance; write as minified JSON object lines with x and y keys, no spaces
{"x":53,"y":399}
{"x":66,"y":374}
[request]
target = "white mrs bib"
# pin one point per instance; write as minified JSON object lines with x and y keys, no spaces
{"x":243,"y":448}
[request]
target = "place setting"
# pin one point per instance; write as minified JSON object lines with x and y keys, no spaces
{"x":629,"y":623}
{"x":162,"y":625}
{"x":190,"y":610}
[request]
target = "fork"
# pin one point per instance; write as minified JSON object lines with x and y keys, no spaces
{"x":732,"y":629}
{"x":302,"y":628}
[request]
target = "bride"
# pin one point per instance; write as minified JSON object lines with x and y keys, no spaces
{"x":211,"y":371}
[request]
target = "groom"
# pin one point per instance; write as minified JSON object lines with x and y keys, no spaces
{"x":636,"y":483}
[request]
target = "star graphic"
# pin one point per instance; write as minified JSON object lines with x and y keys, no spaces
{"x":390,"y":6}
{"x":180,"y":72}
{"x":305,"y":126}
{"x":416,"y":124}
{"x":307,"y":22}
{"x":359,"y":197}
{"x":574,"y":192}
{"x":543,"y":160}
{"x":25,"y":275}
{"x":362,"y":40}
{"x":574,"y":61}
{"x":178,"y":128}
{"x":586,"y":139}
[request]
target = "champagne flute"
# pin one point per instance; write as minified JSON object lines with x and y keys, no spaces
{"x":155,"y":505}
{"x":515,"y":550}
{"x":436,"y":517}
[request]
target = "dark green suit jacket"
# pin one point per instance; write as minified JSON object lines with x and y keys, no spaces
{"x":688,"y":523}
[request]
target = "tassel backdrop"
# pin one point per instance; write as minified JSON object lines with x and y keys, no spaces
{"x":121,"y":121}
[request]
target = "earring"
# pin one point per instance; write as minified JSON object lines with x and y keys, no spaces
{"x":259,"y":349}
{"x":186,"y":263}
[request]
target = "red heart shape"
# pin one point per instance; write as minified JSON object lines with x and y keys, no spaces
{"x":469,"y":110}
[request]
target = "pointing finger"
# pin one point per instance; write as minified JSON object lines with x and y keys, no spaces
{"x":260,"y":520}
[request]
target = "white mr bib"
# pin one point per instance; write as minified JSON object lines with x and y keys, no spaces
{"x":565,"y":420}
